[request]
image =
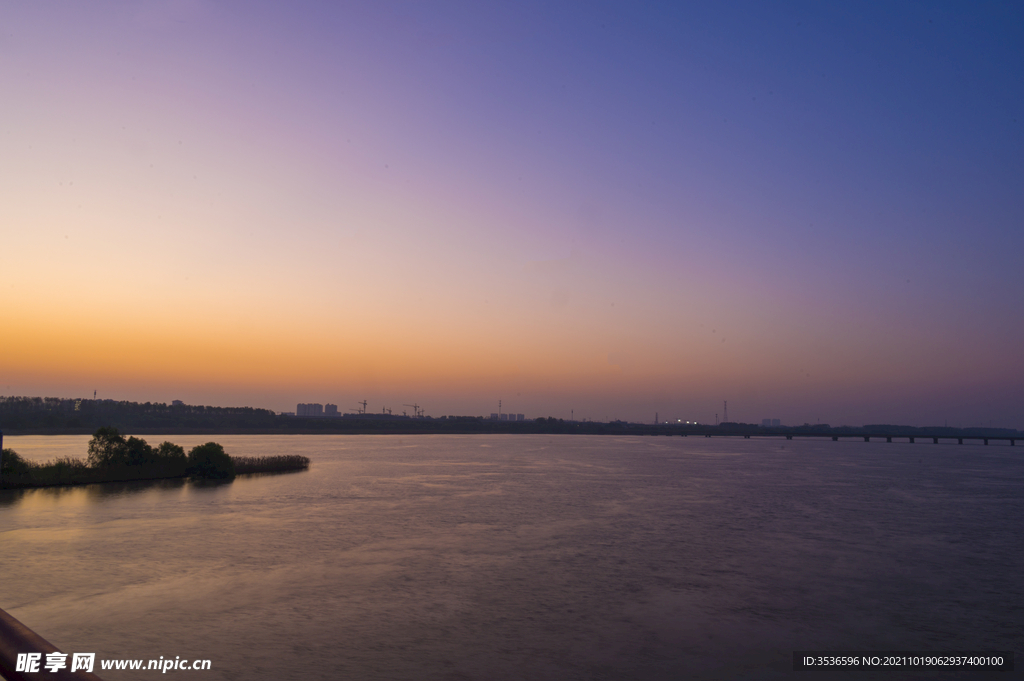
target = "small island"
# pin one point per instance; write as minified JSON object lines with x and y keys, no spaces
{"x":114,"y":458}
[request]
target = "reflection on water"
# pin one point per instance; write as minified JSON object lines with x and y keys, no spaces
{"x":536,"y":557}
{"x":81,"y":494}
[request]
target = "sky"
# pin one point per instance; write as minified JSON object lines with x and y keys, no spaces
{"x":600,"y":210}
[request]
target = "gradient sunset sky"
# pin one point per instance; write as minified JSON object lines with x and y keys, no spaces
{"x":617,"y":209}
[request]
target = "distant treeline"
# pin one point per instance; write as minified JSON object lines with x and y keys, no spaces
{"x":51,"y":416}
{"x":114,"y":458}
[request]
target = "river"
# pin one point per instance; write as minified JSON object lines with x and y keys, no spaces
{"x":526,"y":557}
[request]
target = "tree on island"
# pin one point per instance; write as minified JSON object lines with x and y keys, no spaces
{"x":169,"y":451}
{"x":210,"y":461}
{"x":106,"y":448}
{"x":112,"y":457}
{"x":11,"y":463}
{"x":109,"y":448}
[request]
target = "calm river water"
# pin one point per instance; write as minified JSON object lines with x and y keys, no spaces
{"x":527,"y":557}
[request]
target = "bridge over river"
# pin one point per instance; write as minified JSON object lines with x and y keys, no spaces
{"x":888,"y":436}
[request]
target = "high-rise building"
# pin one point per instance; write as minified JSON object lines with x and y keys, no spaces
{"x":310,"y":410}
{"x":331,"y":410}
{"x":520,"y":417}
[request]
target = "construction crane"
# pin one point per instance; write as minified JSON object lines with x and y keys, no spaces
{"x":363,"y":410}
{"x":416,"y":409}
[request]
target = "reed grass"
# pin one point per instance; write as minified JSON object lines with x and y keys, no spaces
{"x":269,"y":464}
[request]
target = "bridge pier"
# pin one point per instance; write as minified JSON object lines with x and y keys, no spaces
{"x":789,"y":437}
{"x":1012,"y":441}
{"x":911,"y":440}
{"x":835,"y":438}
{"x":707,"y":435}
{"x":888,"y":439}
{"x":959,"y":440}
{"x":935,"y":440}
{"x":746,"y":437}
{"x":867,"y":438}
{"x":986,"y":441}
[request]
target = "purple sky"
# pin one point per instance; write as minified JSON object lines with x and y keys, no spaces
{"x":612,"y":208}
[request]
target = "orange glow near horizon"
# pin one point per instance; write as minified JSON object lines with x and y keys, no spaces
{"x":582,"y":355}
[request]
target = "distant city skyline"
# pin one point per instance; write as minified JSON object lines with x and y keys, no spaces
{"x":329,"y":410}
{"x":811,"y":211}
